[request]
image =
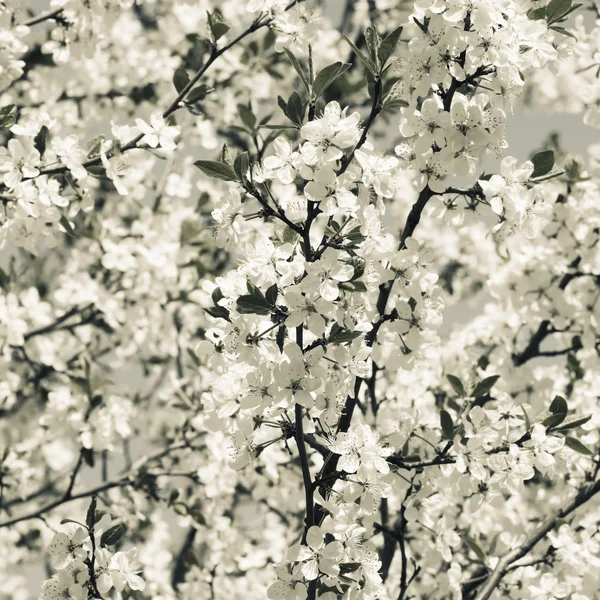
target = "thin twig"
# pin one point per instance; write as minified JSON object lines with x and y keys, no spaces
{"x":52,"y":14}
{"x":539,"y":534}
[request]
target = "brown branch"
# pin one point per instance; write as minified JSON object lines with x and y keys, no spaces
{"x":52,"y":14}
{"x":215,"y":54}
{"x":539,"y":534}
{"x":545,"y":328}
{"x":124,"y":480}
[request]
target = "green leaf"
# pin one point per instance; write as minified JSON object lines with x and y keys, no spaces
{"x":65,"y":521}
{"x":253,"y":303}
{"x":557,"y":9}
{"x":447,"y":424}
{"x":559,"y":406}
{"x":341,"y":335}
{"x":226,"y":156}
{"x":535,"y":14}
{"x":484,"y":386}
{"x":363,"y":57}
{"x":542,"y":163}
{"x":294,"y":109}
{"x":217,"y":24}
{"x":180,"y":79}
{"x":40,"y":140}
{"x":218,"y":312}
{"x":112,"y":536}
{"x":247,"y":116}
{"x":388,"y":45}
{"x":241,"y":166}
{"x":91,"y":513}
{"x":99,"y":514}
{"x":68,"y":228}
{"x":4,"y":279}
{"x":88,"y":457}
{"x":326,"y":76}
{"x":559,"y":410}
{"x":93,"y":146}
{"x":576,"y":445}
{"x":198,"y":93}
{"x":457,"y":384}
{"x":8,"y":116}
{"x":96,"y":171}
{"x":574,"y":423}
{"x":373,"y":42}
{"x":217,"y":170}
{"x":475,"y":548}
{"x":296,"y":64}
{"x":563,"y":31}
{"x":553,"y":421}
{"x":271,"y":294}
{"x":217,"y":295}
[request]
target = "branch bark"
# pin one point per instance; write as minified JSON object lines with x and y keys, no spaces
{"x":539,"y":534}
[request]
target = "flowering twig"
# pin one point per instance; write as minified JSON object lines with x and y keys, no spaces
{"x":125,"y":480}
{"x":52,"y":14}
{"x":539,"y":534}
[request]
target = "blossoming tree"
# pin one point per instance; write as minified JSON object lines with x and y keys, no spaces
{"x":235,"y":238}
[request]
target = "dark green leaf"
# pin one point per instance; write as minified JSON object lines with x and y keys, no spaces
{"x":363,"y":57}
{"x":199,"y":93}
{"x":574,"y":423}
{"x":247,"y":116}
{"x":93,"y":146}
{"x":326,"y":76}
{"x":373,"y":42}
{"x":553,"y":421}
{"x":457,"y":384}
{"x":563,"y":31}
{"x":217,"y":295}
{"x":576,"y":445}
{"x":91,"y":513}
{"x":96,"y":171}
{"x":4,"y":279}
{"x":542,"y":163}
{"x":226,"y":156}
{"x":8,"y":116}
{"x":65,"y":521}
{"x":218,"y":312}
{"x":217,"y":170}
{"x":340,"y":335}
{"x":557,"y":9}
{"x":559,"y":410}
{"x":254,"y":302}
{"x":99,"y":514}
{"x":447,"y":424}
{"x":40,"y":140}
{"x":271,"y":294}
{"x":180,"y":79}
{"x":295,"y":109}
{"x":296,"y":64}
{"x":65,"y":223}
{"x":217,"y":25}
{"x":112,"y":536}
{"x":241,"y":166}
{"x":535,"y":14}
{"x":88,"y":456}
{"x":388,"y":45}
{"x":559,"y":406}
{"x":484,"y":386}
{"x":475,"y":548}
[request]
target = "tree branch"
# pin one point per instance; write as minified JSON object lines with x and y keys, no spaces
{"x":52,"y":14}
{"x":133,"y":143}
{"x":539,"y":534}
{"x":124,"y":480}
